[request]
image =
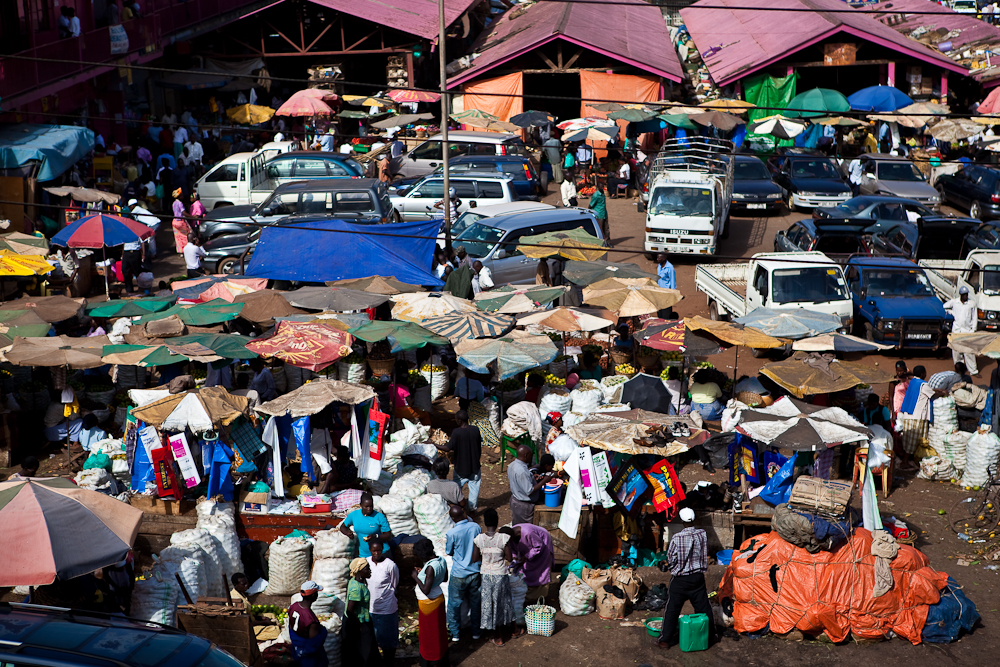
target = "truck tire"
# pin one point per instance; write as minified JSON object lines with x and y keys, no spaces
{"x":976,"y":210}
{"x":869,"y":332}
{"x":715,"y":314}
{"x":543,"y":183}
{"x":228,"y":266}
{"x":640,"y":206}
{"x":651,"y":256}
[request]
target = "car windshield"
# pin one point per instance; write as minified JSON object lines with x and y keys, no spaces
{"x":899,"y":282}
{"x":675,"y":201}
{"x":751,"y":171}
{"x":899,"y":171}
{"x":464,"y":221}
{"x":820,"y":168}
{"x":991,"y":279}
{"x":479,"y":239}
{"x":817,"y":284}
{"x":853,"y":207}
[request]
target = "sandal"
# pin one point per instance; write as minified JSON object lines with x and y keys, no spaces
{"x":497,"y":641}
{"x":520,"y":632}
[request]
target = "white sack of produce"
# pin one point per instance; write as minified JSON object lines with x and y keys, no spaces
{"x":953,"y":448}
{"x":222,"y":527}
{"x":945,"y":422}
{"x":563,"y":447}
{"x":398,"y":510}
{"x":423,"y":449}
{"x":289,"y":565}
{"x":411,"y":484}
{"x":188,"y":562}
{"x":587,"y":398}
{"x":575,"y":597}
{"x":936,"y":469}
{"x":410,"y":434}
{"x":155,"y":598}
{"x":612,"y":386}
{"x":431,"y":512}
{"x":332,"y":574}
{"x":332,"y":643}
{"x":555,"y":400}
{"x":207,"y":508}
{"x":980,"y":454}
{"x":214,"y":556}
{"x":334,"y":544}
{"x":94,"y":479}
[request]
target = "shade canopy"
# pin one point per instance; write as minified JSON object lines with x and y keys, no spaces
{"x":732,"y":333}
{"x":413,"y":96}
{"x":799,"y":426}
{"x":588,"y":273}
{"x":673,"y":336}
{"x":263,"y":306}
{"x":879,"y":98}
{"x":402,"y":335}
{"x":426,"y":305}
{"x":300,"y":104}
{"x":334,"y":298}
{"x":307,"y":345}
{"x":513,"y":299}
{"x":377,"y":285}
{"x":838,"y":342}
{"x":517,"y":351}
{"x":806,"y":373}
{"x":14,"y":264}
{"x":130,"y":307}
{"x":817,"y":102}
{"x":778,"y":126}
{"x":200,"y":410}
{"x":225,"y":287}
{"x":631,"y":296}
{"x":794,"y":324}
{"x":250,"y":114}
{"x":566,"y":319}
{"x":311,"y":398}
{"x":86,"y":195}
{"x":100,"y":231}
{"x":24,"y":323}
{"x":24,"y":244}
{"x":618,"y":431}
{"x":48,"y":308}
{"x":718,"y":119}
{"x":401,"y":120}
{"x":955,"y":129}
{"x":460,"y":326}
{"x":57,"y":351}
{"x":200,"y":315}
{"x":529,"y":118}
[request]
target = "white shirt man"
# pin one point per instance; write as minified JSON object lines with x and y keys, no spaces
{"x":145,"y":217}
{"x":483,"y":280}
{"x":169,"y":119}
{"x":625,"y":171}
{"x":180,"y":135}
{"x":193,"y":254}
{"x":568,"y":191}
{"x":963,"y":309}
{"x":74,"y":26}
{"x":195,"y":151}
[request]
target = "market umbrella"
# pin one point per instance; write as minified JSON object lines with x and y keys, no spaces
{"x":812,"y":373}
{"x":730,"y":105}
{"x":587,"y":273}
{"x":200,"y":315}
{"x":647,"y":392}
{"x":319,"y":93}
{"x":401,"y":120}
{"x":24,"y":323}
{"x":53,"y":529}
{"x":304,"y":344}
{"x":512,"y":299}
{"x":48,"y":308}
{"x":413,"y":96}
{"x":130,"y":307}
{"x":219,"y":346}
{"x":515,"y":352}
{"x":491,"y":125}
{"x":954,"y":129}
{"x":878,"y":98}
{"x":799,"y":426}
{"x":606,"y":106}
{"x":365,"y":101}
{"x":57,"y":351}
{"x":601,"y":133}
{"x":250,"y":114}
{"x":426,"y":305}
{"x":342,"y":321}
{"x":263,"y":306}
{"x":571,"y":244}
{"x":915,"y":115}
{"x":200,"y":410}
{"x":334,"y":298}
{"x":630,"y":296}
{"x":817,"y":102}
{"x":304,"y":105}
{"x":156,"y":355}
{"x":460,"y":326}
{"x":673,"y":336}
{"x":14,"y":264}
{"x":986,"y":120}
{"x":86,"y":195}
{"x":676,"y":108}
{"x":840,"y":121}
{"x":777,"y":126}
{"x":632,"y":115}
{"x":973,"y":343}
{"x":402,"y":335}
{"x":24,"y":244}
{"x":719,"y":120}
{"x":678,"y":120}
{"x":101,"y":231}
{"x":588,"y":121}
{"x":732,"y":333}
{"x":311,"y":398}
{"x":377,"y":285}
{"x":529,"y":118}
{"x":794,"y":324}
{"x":472,"y":114}
{"x":837,"y":342}
{"x":219,"y":286}
{"x":566,"y":319}
{"x":991,"y":105}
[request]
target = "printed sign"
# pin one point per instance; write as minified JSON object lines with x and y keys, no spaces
{"x":150,"y":440}
{"x":628,"y":486}
{"x":182,"y":454}
{"x":602,"y":470}
{"x":119,"y":39}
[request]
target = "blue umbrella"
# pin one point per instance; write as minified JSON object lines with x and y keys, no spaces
{"x":879,"y":98}
{"x":794,"y":324}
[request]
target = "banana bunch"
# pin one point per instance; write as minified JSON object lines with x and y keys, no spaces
{"x":625,"y":369}
{"x":554,"y":381}
{"x":665,"y":374}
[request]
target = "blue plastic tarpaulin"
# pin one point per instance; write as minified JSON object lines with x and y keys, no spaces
{"x":352,"y":251}
{"x":57,"y":147}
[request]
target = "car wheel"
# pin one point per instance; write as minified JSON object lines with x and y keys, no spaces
{"x":543,"y":183}
{"x":791,"y":203}
{"x":941,"y":194}
{"x":228,"y":266}
{"x":869,"y":332}
{"x":715,"y":314}
{"x":395,"y":217}
{"x":651,"y":256}
{"x":976,"y":210}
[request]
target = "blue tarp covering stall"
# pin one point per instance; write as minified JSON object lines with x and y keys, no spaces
{"x":350,"y":251}
{"x":57,"y":147}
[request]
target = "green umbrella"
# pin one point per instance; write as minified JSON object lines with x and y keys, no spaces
{"x":571,"y":244}
{"x":24,"y":244}
{"x":588,"y":273}
{"x":131,"y":307}
{"x":403,"y":335}
{"x":200,"y":315}
{"x":197,"y":347}
{"x":24,"y":323}
{"x":517,"y":298}
{"x":471,"y":114}
{"x":817,"y":102}
{"x":229,"y":346}
{"x":632,"y":115}
{"x":678,"y":120}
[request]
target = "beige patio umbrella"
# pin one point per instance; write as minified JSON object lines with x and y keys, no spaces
{"x":492,"y":125}
{"x":376,"y":285}
{"x":954,"y":129}
{"x":88,"y":195}
{"x":58,"y":351}
{"x":807,"y":373}
{"x":732,"y":333}
{"x":630,"y":296}
{"x":420,"y":306}
{"x":730,"y":105}
{"x":566,"y":319}
{"x":840,"y":121}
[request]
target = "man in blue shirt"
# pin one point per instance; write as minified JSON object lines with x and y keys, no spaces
{"x":664,"y":269}
{"x":464,"y":581}
{"x":368,"y":524}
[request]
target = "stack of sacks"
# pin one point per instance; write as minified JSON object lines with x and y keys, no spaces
{"x":411,"y":484}
{"x":332,"y":554}
{"x":213,"y":559}
{"x":587,"y":396}
{"x":380,"y":486}
{"x":333,"y":640}
{"x":188,"y":562}
{"x":945,"y":422}
{"x":154,"y":598}
{"x":398,"y":510}
{"x":410,"y":434}
{"x":431,"y":512}
{"x":219,"y":521}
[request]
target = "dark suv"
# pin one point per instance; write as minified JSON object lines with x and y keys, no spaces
{"x":808,"y":180}
{"x":838,"y":238}
{"x":35,"y":636}
{"x":975,"y":188}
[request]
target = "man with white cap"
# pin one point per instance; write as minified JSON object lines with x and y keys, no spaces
{"x":964,"y":311}
{"x":144,"y":216}
{"x":304,"y":629}
{"x":687,"y":559}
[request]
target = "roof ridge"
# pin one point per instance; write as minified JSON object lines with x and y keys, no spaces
{"x":560,"y":28}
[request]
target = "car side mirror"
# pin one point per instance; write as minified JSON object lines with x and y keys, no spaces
{"x":413,"y":157}
{"x":267,"y":212}
{"x":871,"y":302}
{"x":415,"y":194}
{"x":874,"y":215}
{"x":501,"y":253}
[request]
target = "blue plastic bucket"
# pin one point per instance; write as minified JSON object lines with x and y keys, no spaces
{"x":724,"y":557}
{"x":554,"y":493}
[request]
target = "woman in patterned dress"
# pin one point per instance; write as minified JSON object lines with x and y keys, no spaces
{"x":494,"y":550}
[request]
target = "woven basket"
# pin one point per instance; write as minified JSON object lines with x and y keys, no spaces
{"x":750,"y":398}
{"x":540,"y":619}
{"x":648,"y":360}
{"x":381,"y":366}
{"x":620,"y":357}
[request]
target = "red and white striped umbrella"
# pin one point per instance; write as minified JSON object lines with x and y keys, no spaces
{"x":583,"y":123}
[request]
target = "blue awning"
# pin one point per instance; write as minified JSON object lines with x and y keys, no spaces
{"x":57,"y":147}
{"x":352,"y":251}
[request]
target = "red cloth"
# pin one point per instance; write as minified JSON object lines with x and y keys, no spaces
{"x":432,"y":629}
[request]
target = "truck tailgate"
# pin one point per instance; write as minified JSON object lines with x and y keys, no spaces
{"x":726,"y":284}
{"x":943,"y":274}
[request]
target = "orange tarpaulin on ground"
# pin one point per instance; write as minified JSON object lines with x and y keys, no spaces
{"x":829,"y":591}
{"x":615,"y":87}
{"x":497,"y":101}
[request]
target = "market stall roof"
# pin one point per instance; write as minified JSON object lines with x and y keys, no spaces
{"x":312,"y":397}
{"x":201,"y":314}
{"x":623,"y":31}
{"x":24,"y":244}
{"x":799,"y":426}
{"x":263,"y":306}
{"x":617,"y":431}
{"x":55,"y":147}
{"x":57,"y":351}
{"x":415,"y":17}
{"x":517,"y":351}
{"x":49,"y":308}
{"x":807,"y":373}
{"x":199,"y":409}
{"x":402,"y":335}
{"x":739,"y":40}
{"x":304,"y":344}
{"x":130,"y":307}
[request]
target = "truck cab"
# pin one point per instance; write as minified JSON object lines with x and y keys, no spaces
{"x":895,"y":304}
{"x":689,"y":197}
{"x":980,"y":272}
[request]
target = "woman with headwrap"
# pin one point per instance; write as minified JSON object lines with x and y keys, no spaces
{"x":180,"y":225}
{"x":359,"y":634}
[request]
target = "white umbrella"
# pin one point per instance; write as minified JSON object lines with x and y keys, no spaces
{"x":566,"y":319}
{"x":777,"y":126}
{"x":791,"y":424}
{"x":420,"y":306}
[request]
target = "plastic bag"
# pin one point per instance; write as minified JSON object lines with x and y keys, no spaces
{"x":980,"y":454}
{"x":575,"y":597}
{"x":779,"y":488}
{"x":563,"y":447}
{"x":936,"y":469}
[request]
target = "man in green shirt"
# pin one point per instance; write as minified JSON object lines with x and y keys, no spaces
{"x":598,"y":204}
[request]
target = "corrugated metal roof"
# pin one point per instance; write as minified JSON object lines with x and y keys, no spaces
{"x":964,"y":38}
{"x":416,"y":17}
{"x":635,"y":34}
{"x":748,"y":40}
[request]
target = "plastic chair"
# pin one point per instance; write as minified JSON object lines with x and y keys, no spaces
{"x":508,"y":444}
{"x":861,"y":461}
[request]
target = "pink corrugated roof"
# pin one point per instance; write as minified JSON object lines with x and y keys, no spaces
{"x":416,"y":17}
{"x":634,"y":34}
{"x":751,"y":40}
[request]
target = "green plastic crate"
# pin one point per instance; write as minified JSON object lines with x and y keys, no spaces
{"x":694,"y":632}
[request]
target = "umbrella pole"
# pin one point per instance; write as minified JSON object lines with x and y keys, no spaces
{"x":736,"y":365}
{"x":107,"y":272}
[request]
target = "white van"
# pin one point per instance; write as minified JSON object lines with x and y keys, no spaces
{"x":237,"y":180}
{"x":426,"y":157}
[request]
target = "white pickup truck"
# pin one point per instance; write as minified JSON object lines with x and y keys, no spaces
{"x":778,"y":280}
{"x":980,"y":272}
{"x":691,"y":189}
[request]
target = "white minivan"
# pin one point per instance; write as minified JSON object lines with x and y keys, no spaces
{"x":426,"y":157}
{"x":234,"y":180}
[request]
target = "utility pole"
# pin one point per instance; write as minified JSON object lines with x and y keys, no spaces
{"x":445,"y":108}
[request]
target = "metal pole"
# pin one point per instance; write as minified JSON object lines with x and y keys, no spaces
{"x":445,"y":108}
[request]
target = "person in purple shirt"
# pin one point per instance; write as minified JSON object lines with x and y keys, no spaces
{"x":533,"y":557}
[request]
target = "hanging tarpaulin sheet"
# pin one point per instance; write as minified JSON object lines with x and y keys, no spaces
{"x":119,"y":39}
{"x":616,"y":87}
{"x":770,"y":94}
{"x":500,"y":96}
{"x":349,"y":252}
{"x":57,"y":147}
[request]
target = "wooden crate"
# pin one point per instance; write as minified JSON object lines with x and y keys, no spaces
{"x":269,"y":527}
{"x":153,"y":505}
{"x":155,"y":531}
{"x":566,"y":549}
{"x":230,"y":628}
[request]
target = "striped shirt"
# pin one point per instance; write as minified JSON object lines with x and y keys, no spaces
{"x":688,"y":552}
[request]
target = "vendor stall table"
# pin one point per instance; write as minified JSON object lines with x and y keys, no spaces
{"x":269,"y":527}
{"x":229,"y":627}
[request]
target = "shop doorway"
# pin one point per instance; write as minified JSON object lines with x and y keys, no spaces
{"x":541,"y":92}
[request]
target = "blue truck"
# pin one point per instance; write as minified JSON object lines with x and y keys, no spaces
{"x":895,"y":304}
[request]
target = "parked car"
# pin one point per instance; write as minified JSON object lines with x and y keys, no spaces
{"x":808,"y":180}
{"x":309,"y":165}
{"x":493,"y":210}
{"x":39,"y":636}
{"x":838,"y":239}
{"x":417,"y":203}
{"x":894,"y":303}
{"x":881,"y":211}
{"x":528,"y":184}
{"x":426,"y":157}
{"x":934,"y":238}
{"x":753,"y":187}
{"x":494,"y":240}
{"x":974,"y":188}
{"x":965,"y":6}
{"x":883,"y":174}
{"x":984,"y":237}
{"x":331,"y":197}
{"x":239,"y":180}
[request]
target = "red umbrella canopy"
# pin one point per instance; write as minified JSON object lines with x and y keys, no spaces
{"x":304,"y":344}
{"x":663,"y":335}
{"x":413,"y":96}
{"x":306,"y":104}
{"x":98,"y":231}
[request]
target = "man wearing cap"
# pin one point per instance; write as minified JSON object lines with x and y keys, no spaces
{"x":144,"y":216}
{"x":304,"y":629}
{"x":687,"y":559}
{"x":964,"y":310}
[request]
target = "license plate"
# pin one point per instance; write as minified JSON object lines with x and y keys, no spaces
{"x":679,"y":232}
{"x":756,"y":205}
{"x":919,"y":336}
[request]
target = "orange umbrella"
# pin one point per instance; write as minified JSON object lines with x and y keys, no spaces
{"x":413,"y":96}
{"x":306,"y":104}
{"x":307,"y":345}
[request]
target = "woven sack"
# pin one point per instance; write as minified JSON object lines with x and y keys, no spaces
{"x":188,"y":562}
{"x":331,"y":646}
{"x":555,"y":400}
{"x":222,"y":527}
{"x":575,"y":597}
{"x":214,"y":556}
{"x":936,"y":469}
{"x":586,"y":400}
{"x":953,"y":448}
{"x":980,"y":454}
{"x":155,"y":598}
{"x":333,"y":544}
{"x":289,"y":565}
{"x":411,"y":484}
{"x":332,"y":574}
{"x":431,"y":513}
{"x":398,"y":510}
